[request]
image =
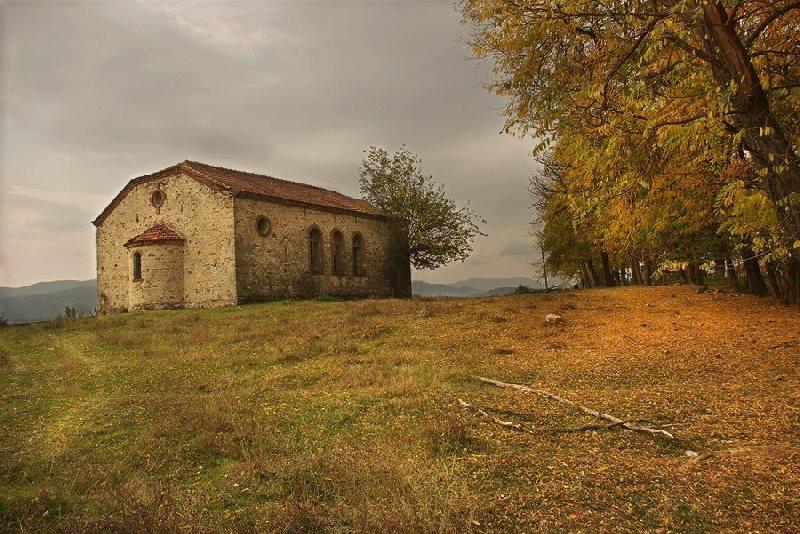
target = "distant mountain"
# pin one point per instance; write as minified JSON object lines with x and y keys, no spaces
{"x":425,"y":289}
{"x":500,"y":291}
{"x":485,"y":284}
{"x":474,"y":287}
{"x":46,"y":300}
{"x":43,"y":288}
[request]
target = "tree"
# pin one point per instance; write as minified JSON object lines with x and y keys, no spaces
{"x":647,"y":103}
{"x":709,"y":65}
{"x":439,"y":231}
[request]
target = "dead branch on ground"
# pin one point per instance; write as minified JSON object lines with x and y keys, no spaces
{"x":627,"y":425}
{"x":507,"y":424}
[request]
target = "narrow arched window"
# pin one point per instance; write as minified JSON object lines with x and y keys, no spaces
{"x":337,"y":252}
{"x":315,"y":250}
{"x":137,"y":266}
{"x":358,"y":250}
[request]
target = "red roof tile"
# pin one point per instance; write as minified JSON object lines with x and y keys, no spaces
{"x":247,"y":184}
{"x":161,"y":233}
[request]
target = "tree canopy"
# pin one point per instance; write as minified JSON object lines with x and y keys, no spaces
{"x":672,"y":124}
{"x":439,"y":231}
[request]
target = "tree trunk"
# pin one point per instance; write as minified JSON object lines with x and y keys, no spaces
{"x":719,"y":267}
{"x":684,"y":277}
{"x":544,"y":269}
{"x":772,"y":276}
{"x":761,"y":133}
{"x":793,"y":280}
{"x":636,"y":275}
{"x":607,"y":280}
{"x":648,"y":272}
{"x":691,"y":271}
{"x":755,"y":281}
{"x":730,"y":272}
{"x":593,"y":272}
{"x":584,"y":273}
{"x":699,"y":276}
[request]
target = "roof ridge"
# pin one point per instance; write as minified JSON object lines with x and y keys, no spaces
{"x":245,"y":183}
{"x":293,"y":182}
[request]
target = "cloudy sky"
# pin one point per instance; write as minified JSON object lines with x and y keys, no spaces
{"x":95,"y":93}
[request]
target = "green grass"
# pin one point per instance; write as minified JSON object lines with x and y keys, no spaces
{"x":319,"y":416}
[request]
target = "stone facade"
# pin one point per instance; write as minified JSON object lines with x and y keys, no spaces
{"x":278,"y":264}
{"x":224,"y":258}
{"x":161,"y":282}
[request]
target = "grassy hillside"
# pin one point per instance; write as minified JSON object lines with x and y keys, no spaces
{"x":304,"y":416}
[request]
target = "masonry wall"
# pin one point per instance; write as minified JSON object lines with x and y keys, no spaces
{"x":204,"y":217}
{"x":161,"y":284}
{"x":278,"y":265}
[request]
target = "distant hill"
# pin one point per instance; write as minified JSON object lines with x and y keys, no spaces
{"x":500,"y":291}
{"x":473,"y":287}
{"x":425,"y":289}
{"x":46,"y":300}
{"x":486,"y":284}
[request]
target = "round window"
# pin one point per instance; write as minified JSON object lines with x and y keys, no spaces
{"x":157,"y":198}
{"x":264,"y":226}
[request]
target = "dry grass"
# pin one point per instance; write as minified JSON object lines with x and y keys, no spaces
{"x":321,"y":416}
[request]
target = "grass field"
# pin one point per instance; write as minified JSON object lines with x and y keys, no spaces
{"x":315,"y":416}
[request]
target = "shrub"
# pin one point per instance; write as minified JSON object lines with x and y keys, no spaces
{"x":71,"y":313}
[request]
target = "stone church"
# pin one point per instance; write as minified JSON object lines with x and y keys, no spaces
{"x":194,"y":235}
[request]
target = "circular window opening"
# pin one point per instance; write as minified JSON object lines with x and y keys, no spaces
{"x":157,"y":198}
{"x":264,"y":226}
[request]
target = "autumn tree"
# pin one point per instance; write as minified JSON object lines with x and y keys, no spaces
{"x":717,"y":66}
{"x":675,"y":83}
{"x":439,"y":231}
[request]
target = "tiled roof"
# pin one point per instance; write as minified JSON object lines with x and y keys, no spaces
{"x":261,"y":185}
{"x":247,"y":184}
{"x":161,"y":233}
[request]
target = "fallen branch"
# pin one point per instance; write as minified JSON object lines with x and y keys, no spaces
{"x":627,"y":425}
{"x":508,"y":424}
{"x":525,"y":416}
{"x":586,"y":428}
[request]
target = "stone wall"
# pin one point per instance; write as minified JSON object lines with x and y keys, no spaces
{"x":278,"y":265}
{"x":204,"y":217}
{"x":161,"y":284}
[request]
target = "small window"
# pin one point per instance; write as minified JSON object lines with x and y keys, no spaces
{"x":337,"y":252}
{"x":157,"y":198}
{"x":315,"y":250}
{"x":264,"y":226}
{"x":137,"y":266}
{"x":358,"y":250}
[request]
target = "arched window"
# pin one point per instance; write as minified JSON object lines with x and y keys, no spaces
{"x":137,"y":265}
{"x":358,"y":250}
{"x":337,"y":252}
{"x":315,"y":250}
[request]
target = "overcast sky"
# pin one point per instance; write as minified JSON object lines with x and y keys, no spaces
{"x":96,"y":93}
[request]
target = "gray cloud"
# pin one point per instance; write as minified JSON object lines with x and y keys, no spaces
{"x":95,"y":93}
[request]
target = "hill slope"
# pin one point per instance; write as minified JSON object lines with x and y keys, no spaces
{"x":309,"y":416}
{"x":487,"y":284}
{"x":474,"y":287}
{"x":46,"y":300}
